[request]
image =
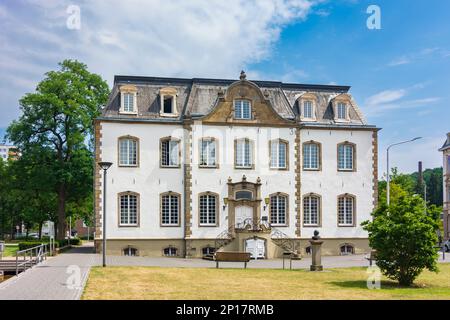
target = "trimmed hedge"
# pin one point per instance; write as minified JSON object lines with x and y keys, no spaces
{"x":58,"y":243}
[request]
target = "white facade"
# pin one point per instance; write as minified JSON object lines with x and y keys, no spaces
{"x":203,"y":113}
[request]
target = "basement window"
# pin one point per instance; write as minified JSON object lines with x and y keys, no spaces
{"x":170,"y":252}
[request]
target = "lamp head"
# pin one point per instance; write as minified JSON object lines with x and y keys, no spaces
{"x":105,"y":165}
{"x":416,"y":138}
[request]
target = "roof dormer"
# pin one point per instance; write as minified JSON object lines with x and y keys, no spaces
{"x":307,"y":104}
{"x":128,"y":100}
{"x":341,"y":107}
{"x":168,"y":102}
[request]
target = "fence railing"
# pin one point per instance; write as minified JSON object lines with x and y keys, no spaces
{"x":27,"y":258}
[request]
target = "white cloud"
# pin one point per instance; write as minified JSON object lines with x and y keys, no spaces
{"x":389,"y":100}
{"x":400,"y":61}
{"x":161,"y":38}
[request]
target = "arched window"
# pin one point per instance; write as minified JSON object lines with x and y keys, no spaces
{"x":311,"y":155}
{"x":347,"y":249}
{"x":346,"y":156}
{"x":346,"y":210}
{"x":311,"y":210}
{"x":170,"y":209}
{"x":170,"y":152}
{"x":243,"y":195}
{"x":278,"y":209}
{"x":279,"y":154}
{"x":243,"y":150}
{"x":128,"y":209}
{"x":130,"y":251}
{"x":208,"y":250}
{"x":170,"y":252}
{"x":242,"y":109}
{"x":128,"y":151}
{"x":208,"y":209}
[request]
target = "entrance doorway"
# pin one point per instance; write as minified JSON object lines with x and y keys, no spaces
{"x":243,"y":214}
{"x":256,"y":248}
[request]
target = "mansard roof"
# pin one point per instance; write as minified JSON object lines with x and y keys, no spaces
{"x":198,"y":97}
{"x":446,"y":144}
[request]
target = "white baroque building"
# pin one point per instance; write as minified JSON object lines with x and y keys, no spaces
{"x":446,"y":186}
{"x":209,"y":164}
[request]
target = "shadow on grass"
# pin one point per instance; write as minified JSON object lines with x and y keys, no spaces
{"x":362,"y":284}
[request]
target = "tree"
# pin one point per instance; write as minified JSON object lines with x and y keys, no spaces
{"x":57,"y":119}
{"x":403,"y":235}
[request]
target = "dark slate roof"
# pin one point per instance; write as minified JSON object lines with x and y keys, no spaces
{"x":198,"y":96}
{"x":446,"y":143}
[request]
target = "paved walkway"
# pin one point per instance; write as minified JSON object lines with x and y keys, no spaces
{"x":63,"y":277}
{"x":58,"y":278}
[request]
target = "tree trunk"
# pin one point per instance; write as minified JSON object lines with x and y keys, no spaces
{"x":61,"y":233}
{"x":40,"y":229}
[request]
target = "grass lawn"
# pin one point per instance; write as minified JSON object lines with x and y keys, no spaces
{"x":10,"y":250}
{"x":200,"y":284}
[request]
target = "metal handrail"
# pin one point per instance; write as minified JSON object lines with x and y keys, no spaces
{"x":40,"y":254}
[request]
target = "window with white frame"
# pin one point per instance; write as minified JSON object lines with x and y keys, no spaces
{"x":342,"y":110}
{"x":308,"y":111}
{"x":346,"y":210}
{"x":170,"y":210}
{"x":208,"y":153}
{"x":170,"y":153}
{"x":311,"y":156}
{"x":242,"y":109}
{"x":128,"y":152}
{"x":311,"y":210}
{"x":244,"y":154}
{"x":347,"y":249}
{"x":208,"y":250}
{"x":128,"y":210}
{"x":345,"y":156}
{"x":128,"y":102}
{"x":278,"y":154}
{"x":208,"y":210}
{"x":278,"y":209}
{"x":170,"y":252}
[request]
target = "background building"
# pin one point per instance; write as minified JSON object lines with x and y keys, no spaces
{"x":446,"y":188}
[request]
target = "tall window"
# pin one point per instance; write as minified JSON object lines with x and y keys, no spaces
{"x":208,"y":209}
{"x":341,"y":110}
{"x":278,"y":209}
{"x":170,"y":153}
{"x":242,"y":109}
{"x":345,"y":156}
{"x":346,"y":209}
{"x":128,"y":102}
{"x":308,"y":109}
{"x":311,"y":209}
{"x":208,"y":153}
{"x":128,"y":209}
{"x":278,"y":154}
{"x":128,"y":152}
{"x":311,"y":156}
{"x":243,"y":154}
{"x":170,"y":209}
{"x":168,"y":104}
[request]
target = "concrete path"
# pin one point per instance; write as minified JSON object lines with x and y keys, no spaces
{"x":63,"y":277}
{"x":58,"y":278}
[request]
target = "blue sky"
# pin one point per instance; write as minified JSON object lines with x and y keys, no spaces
{"x":400,"y":75}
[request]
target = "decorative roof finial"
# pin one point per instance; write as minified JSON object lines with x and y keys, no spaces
{"x":243,"y":76}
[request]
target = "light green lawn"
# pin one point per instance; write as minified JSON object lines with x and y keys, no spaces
{"x":199,"y":284}
{"x":10,"y":250}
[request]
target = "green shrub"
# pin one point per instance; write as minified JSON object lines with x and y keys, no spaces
{"x":29,"y":244}
{"x":58,"y":243}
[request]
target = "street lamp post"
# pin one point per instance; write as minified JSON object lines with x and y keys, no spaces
{"x":387,"y":166}
{"x":105,"y":166}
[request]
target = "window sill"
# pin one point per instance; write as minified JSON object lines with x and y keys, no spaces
{"x":346,"y":170}
{"x":308,"y":119}
{"x":169,"y":115}
{"x":306,"y":169}
{"x":128,"y":225}
{"x":279,"y":225}
{"x":170,"y":167}
{"x":279,"y":169}
{"x":244,"y":168}
{"x":169,"y":225}
{"x":208,"y":225}
{"x":208,"y":167}
{"x":346,"y":225}
{"x":128,"y":112}
{"x":128,"y":166}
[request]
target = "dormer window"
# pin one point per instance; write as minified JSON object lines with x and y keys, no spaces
{"x":342,"y":111}
{"x":168,"y":102}
{"x":128,"y":99}
{"x":307,"y":106}
{"x":242,"y":109}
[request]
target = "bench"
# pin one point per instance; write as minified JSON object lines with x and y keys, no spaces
{"x":232,"y":256}
{"x":372,"y":257}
